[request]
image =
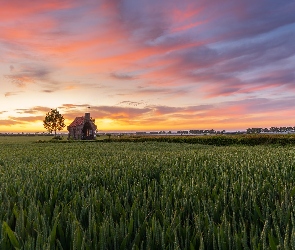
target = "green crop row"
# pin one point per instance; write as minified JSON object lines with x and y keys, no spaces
{"x":146,"y":196}
{"x":217,"y":140}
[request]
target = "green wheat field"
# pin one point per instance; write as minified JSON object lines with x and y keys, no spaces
{"x":145,"y":195}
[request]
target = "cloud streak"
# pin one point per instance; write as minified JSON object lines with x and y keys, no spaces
{"x":7,"y":94}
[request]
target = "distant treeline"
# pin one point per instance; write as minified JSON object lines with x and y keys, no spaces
{"x":186,"y":132}
{"x":270,"y":130}
{"x":202,"y":131}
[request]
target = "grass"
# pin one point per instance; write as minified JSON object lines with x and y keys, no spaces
{"x":8,"y":139}
{"x":4,"y":140}
{"x":146,"y":195}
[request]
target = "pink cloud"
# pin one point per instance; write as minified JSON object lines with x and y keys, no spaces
{"x":16,"y":9}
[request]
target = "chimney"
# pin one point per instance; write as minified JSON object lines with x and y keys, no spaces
{"x":87,"y":116}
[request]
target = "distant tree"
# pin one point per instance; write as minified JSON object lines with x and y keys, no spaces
{"x":54,"y":121}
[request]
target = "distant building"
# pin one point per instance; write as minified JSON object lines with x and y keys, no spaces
{"x":140,"y":133}
{"x":82,"y":128}
{"x":185,"y":132}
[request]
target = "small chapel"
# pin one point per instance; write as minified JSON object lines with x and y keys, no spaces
{"x":82,"y":128}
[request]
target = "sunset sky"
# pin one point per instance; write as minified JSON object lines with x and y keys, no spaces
{"x":148,"y":65}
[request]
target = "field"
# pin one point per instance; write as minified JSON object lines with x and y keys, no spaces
{"x":145,"y":195}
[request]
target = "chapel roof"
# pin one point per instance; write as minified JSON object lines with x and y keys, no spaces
{"x":77,"y":122}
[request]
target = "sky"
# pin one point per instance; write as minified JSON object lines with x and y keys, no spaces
{"x":148,"y":65}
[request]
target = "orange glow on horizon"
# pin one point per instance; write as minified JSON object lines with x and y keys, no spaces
{"x":109,"y":124}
